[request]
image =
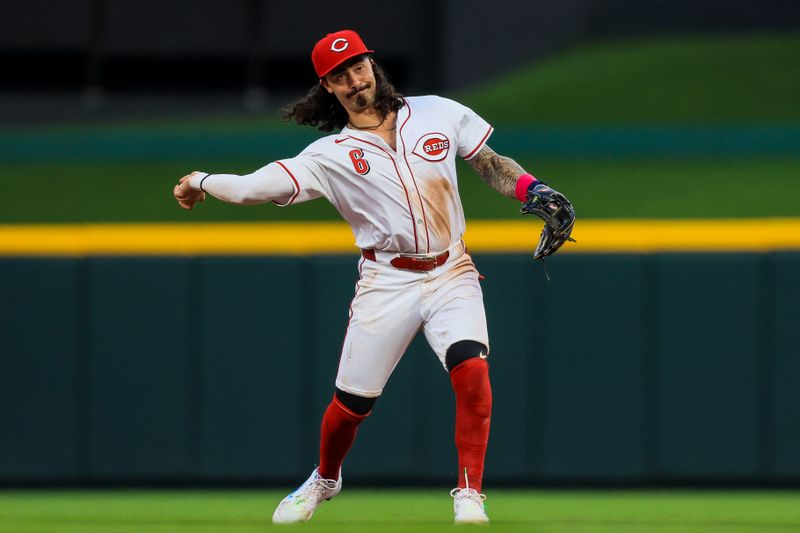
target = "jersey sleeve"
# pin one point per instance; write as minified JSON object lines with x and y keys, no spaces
{"x":309,"y":178}
{"x":472,"y":130}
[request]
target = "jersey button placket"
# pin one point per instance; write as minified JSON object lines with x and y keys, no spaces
{"x":416,"y":207}
{"x":416,"y":201}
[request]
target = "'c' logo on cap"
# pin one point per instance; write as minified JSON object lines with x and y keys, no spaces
{"x":342,"y":45}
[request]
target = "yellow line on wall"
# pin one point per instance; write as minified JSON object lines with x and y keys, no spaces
{"x":299,"y":238}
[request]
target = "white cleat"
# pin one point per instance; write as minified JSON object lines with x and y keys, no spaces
{"x":468,"y":506}
{"x":301,"y":504}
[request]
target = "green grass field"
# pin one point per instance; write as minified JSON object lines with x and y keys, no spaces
{"x":730,"y":79}
{"x":691,"y":81}
{"x":402,"y":510}
{"x":603,"y":188}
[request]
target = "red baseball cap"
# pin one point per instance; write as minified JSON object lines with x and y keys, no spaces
{"x":336,"y":48}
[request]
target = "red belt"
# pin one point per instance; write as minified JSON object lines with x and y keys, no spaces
{"x":412,"y":263}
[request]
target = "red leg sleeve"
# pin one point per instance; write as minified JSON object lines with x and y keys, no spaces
{"x":473,"y":393}
{"x":339,"y":427}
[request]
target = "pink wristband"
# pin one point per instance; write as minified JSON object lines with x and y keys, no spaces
{"x":523,"y":183}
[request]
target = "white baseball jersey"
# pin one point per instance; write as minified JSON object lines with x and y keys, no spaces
{"x":403,"y":200}
{"x":400,"y":201}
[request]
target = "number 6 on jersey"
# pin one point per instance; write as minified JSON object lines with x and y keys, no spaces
{"x":359,"y":163}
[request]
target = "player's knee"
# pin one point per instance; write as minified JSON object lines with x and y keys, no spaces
{"x":460,"y":351}
{"x":360,"y":405}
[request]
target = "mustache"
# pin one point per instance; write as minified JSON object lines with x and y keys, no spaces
{"x":359,"y":89}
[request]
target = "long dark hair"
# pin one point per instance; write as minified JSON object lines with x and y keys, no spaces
{"x":322,"y":110}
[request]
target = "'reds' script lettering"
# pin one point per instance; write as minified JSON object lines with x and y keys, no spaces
{"x":432,"y":147}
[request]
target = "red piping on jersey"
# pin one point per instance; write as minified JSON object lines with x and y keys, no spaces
{"x":421,"y":203}
{"x":397,"y":170}
{"x":491,"y":129}
{"x":296,"y":185}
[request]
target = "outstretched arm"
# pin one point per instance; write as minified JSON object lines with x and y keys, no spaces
{"x":266,"y":184}
{"x":500,"y":172}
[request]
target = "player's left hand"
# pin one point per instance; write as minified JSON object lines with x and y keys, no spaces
{"x":186,"y":196}
{"x":557,"y":213}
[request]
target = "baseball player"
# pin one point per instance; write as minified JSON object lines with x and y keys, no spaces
{"x":390,"y":171}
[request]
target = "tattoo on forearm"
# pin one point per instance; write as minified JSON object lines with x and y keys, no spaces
{"x":498,"y":171}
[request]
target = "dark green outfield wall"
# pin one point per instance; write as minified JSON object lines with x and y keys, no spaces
{"x":624,"y":368}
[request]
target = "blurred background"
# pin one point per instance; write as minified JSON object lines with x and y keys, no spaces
{"x":665,"y":367}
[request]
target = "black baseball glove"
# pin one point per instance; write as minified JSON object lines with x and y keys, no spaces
{"x":557,"y":213}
